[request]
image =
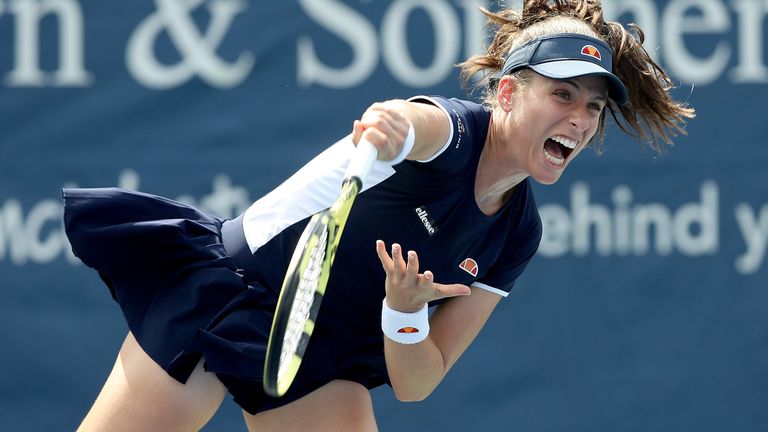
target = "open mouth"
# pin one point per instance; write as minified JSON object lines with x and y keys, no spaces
{"x":558,"y":148}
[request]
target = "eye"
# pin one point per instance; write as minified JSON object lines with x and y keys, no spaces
{"x":563,"y":94}
{"x":596,"y":107}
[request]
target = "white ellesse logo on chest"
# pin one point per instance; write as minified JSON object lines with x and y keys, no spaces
{"x":426,"y":220}
{"x":470,"y":266}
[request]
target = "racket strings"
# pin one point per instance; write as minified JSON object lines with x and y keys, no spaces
{"x":302,"y":305}
{"x":303,"y":290}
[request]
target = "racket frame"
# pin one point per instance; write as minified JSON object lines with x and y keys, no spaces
{"x":278,"y":375}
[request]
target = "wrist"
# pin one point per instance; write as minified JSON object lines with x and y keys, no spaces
{"x":410,"y":139}
{"x":403,"y":327}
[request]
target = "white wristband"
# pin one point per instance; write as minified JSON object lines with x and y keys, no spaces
{"x":410,"y":139}
{"x":404,"y":328}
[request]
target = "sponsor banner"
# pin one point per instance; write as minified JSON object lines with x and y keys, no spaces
{"x":644,"y":305}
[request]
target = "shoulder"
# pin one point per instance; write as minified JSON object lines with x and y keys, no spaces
{"x":453,"y":106}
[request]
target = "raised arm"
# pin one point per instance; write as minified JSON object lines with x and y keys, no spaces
{"x":385,"y":124}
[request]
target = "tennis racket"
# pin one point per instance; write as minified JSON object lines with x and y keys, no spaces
{"x":307,"y":277}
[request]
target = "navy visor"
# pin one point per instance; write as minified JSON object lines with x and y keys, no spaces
{"x":567,"y":55}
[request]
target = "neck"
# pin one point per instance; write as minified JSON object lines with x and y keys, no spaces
{"x":496,"y":176}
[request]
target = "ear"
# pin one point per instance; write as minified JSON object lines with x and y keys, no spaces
{"x":506,"y":92}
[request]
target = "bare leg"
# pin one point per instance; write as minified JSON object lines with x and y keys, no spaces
{"x":338,"y":406}
{"x":140,"y":396}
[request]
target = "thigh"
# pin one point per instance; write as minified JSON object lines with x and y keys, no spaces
{"x":338,"y":406}
{"x":140,"y":396}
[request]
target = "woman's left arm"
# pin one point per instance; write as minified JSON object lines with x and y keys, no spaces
{"x":416,"y":369}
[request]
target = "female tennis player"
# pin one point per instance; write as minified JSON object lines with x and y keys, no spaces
{"x":447,"y":219}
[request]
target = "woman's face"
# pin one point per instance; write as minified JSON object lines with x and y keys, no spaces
{"x":552,"y":121}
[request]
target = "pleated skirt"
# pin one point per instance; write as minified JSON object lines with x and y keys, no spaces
{"x":184,"y":295}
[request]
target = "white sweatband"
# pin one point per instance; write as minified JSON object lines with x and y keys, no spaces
{"x":410,"y":139}
{"x":404,"y":328}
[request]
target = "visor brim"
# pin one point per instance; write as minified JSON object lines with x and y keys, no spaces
{"x":563,"y":69}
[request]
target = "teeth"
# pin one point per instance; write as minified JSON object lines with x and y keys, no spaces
{"x":571,"y":144}
{"x":553,"y":159}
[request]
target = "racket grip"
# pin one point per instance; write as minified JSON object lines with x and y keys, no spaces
{"x":362,"y":160}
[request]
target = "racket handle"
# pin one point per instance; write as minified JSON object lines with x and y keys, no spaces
{"x":362,"y":161}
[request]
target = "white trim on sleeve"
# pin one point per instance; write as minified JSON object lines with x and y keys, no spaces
{"x":490,"y":289}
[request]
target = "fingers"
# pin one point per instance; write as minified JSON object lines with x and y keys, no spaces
{"x":412,"y":270}
{"x":404,"y":279}
{"x":396,"y":265}
{"x":450,"y":290}
{"x":397,"y":257}
{"x":357,"y":131}
{"x":386,"y":261}
{"x":385,"y":117}
{"x":385,"y":127}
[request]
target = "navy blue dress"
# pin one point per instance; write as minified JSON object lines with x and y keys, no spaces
{"x":192,"y":285}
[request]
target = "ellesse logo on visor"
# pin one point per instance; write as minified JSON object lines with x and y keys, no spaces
{"x":591,"y":51}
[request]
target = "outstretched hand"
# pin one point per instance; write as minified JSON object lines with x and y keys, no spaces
{"x":407,"y":289}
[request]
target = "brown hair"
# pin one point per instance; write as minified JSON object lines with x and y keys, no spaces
{"x":650,"y":114}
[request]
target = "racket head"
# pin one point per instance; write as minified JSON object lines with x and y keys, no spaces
{"x":303,"y":289}
{"x":298,"y":304}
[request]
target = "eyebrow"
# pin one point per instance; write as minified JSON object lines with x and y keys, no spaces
{"x":572,"y":82}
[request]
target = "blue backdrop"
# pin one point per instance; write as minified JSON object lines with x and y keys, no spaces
{"x":645,"y":308}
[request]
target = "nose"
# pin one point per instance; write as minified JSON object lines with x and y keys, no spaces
{"x":580,"y":118}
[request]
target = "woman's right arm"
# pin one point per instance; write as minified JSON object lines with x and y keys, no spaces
{"x":385,"y":125}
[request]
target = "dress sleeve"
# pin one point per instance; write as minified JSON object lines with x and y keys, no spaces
{"x":469,"y":127}
{"x":521,"y":244}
